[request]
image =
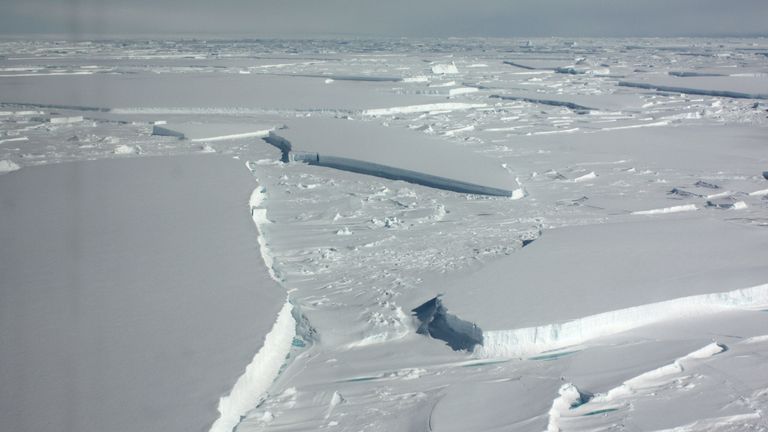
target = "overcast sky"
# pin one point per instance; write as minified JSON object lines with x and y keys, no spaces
{"x":287,"y":18}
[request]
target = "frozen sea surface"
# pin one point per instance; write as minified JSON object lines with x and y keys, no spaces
{"x":620,"y":284}
{"x":133,"y":293}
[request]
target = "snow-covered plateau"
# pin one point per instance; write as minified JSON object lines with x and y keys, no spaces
{"x":384,"y":235}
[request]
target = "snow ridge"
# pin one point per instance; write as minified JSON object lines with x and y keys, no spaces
{"x":250,"y":388}
{"x":534,"y":340}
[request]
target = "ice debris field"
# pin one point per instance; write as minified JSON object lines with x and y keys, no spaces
{"x":384,"y":235}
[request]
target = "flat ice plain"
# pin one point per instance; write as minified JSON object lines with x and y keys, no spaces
{"x":166,"y":267}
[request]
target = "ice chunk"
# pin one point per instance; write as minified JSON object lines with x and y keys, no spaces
{"x":123,"y":149}
{"x":7,"y":166}
{"x":444,"y":69}
{"x":666,"y":210}
{"x":462,"y":90}
{"x":586,"y":177}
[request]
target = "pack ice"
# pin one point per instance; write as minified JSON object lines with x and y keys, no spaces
{"x":458,"y":234}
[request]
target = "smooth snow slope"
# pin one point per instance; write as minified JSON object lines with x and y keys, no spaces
{"x":132,"y":296}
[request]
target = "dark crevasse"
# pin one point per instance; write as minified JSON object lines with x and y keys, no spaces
{"x":435,"y":321}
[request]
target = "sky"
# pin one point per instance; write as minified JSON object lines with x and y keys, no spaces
{"x":412,"y":18}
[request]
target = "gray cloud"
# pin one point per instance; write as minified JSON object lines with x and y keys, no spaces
{"x":391,"y":18}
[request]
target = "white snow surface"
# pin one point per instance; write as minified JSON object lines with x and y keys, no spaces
{"x":132,"y":293}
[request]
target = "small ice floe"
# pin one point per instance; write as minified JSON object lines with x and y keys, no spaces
{"x":586,"y":177}
{"x":7,"y":166}
{"x":15,"y":139}
{"x":666,"y":210}
{"x":344,"y":232}
{"x":123,"y":149}
{"x":444,"y":69}
{"x":462,"y":90}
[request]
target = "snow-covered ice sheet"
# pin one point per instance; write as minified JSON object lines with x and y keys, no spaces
{"x":133,"y":293}
{"x":635,"y":236}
